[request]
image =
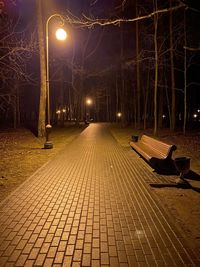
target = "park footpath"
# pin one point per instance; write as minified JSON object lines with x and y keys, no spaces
{"x":90,"y":206}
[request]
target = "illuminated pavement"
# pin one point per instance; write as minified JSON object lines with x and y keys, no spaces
{"x":90,"y":206}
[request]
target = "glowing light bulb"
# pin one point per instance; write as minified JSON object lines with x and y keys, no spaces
{"x":61,"y":34}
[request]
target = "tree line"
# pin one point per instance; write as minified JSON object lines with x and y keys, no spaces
{"x":144,"y":71}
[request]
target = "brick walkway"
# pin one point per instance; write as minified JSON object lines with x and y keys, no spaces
{"x":89,"y":206}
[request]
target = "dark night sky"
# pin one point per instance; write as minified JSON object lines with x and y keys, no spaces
{"x":107,"y":54}
{"x":98,"y":9}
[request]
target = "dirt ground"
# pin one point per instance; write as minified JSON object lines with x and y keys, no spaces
{"x":21,"y":154}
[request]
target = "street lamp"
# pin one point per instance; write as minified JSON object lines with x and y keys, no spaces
{"x":88,"y":103}
{"x":60,"y":35}
{"x":119,"y":114}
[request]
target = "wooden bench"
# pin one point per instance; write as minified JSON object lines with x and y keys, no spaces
{"x":157,"y":153}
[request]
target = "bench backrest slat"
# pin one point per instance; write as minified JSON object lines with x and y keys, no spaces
{"x":158,"y":146}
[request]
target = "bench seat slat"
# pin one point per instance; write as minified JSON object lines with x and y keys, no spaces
{"x":148,"y":151}
{"x":141,"y":149}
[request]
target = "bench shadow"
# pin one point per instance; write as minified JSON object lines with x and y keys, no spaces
{"x":185,"y":185}
{"x":191,"y":175}
{"x":169,"y":169}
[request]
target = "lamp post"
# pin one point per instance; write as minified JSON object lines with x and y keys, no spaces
{"x":88,"y":104}
{"x":119,"y":114}
{"x":60,"y":35}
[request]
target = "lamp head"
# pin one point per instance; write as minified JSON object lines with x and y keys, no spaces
{"x":61,"y":34}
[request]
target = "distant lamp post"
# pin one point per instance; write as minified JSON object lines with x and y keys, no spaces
{"x":89,"y":101}
{"x":119,"y":114}
{"x":195,"y":116}
{"x":60,"y":35}
{"x":88,"y":104}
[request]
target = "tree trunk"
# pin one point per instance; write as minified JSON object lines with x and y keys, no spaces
{"x":156,"y":69}
{"x":146,"y":97}
{"x":117,"y":96}
{"x":160,"y":108}
{"x":15,"y":112}
{"x":173,"y":107}
{"x":42,"y":103}
{"x":185,"y":78}
{"x":18,"y":107}
{"x":122,"y":94}
{"x":73,"y":93}
{"x":137,"y":70}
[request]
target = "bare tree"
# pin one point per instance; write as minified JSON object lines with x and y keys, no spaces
{"x":16,"y":49}
{"x":137,"y":68}
{"x":173,"y":105}
{"x":156,"y":67}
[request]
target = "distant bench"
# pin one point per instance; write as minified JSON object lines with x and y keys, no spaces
{"x":157,"y":153}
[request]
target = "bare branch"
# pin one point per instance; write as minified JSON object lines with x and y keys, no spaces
{"x":192,"y":48}
{"x":96,"y":47}
{"x":15,"y":50}
{"x":90,"y":22}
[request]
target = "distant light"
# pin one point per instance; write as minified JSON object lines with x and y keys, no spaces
{"x":58,"y":111}
{"x":198,"y":110}
{"x":64,"y":110}
{"x":163,"y":116}
{"x":89,"y":101}
{"x":195,"y":115}
{"x":61,"y":34}
{"x":119,"y":114}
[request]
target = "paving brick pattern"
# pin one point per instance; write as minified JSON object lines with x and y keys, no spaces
{"x":89,"y":206}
